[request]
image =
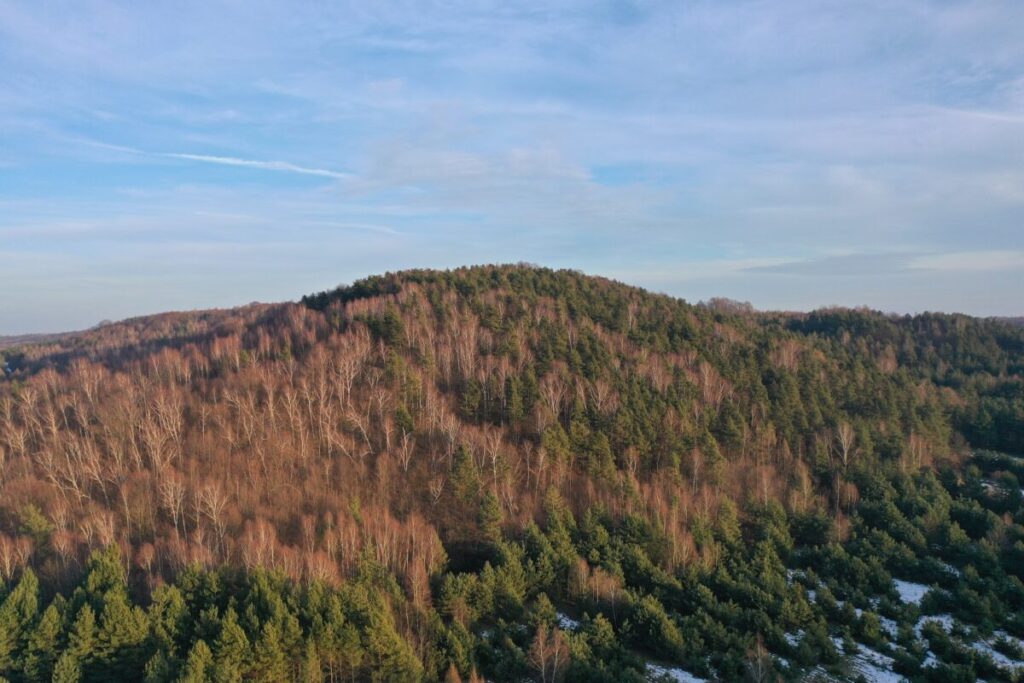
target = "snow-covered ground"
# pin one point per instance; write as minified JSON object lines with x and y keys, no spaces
{"x":984,"y":646}
{"x":874,"y":666}
{"x":656,"y":671}
{"x":945,"y":620}
{"x":567,"y":623}
{"x":877,"y":667}
{"x":910,"y":593}
{"x":1013,"y":639}
{"x":794,"y":638}
{"x":856,"y":610}
{"x":998,"y":657}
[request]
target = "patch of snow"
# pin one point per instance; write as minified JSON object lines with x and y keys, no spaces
{"x":998,"y":657}
{"x":675,"y":674}
{"x":876,"y":674}
{"x":945,"y":621}
{"x":856,"y":610}
{"x":875,"y":666}
{"x":950,"y":568}
{"x":1013,"y":639}
{"x":567,"y":623}
{"x":889,"y":626}
{"x":794,"y":638}
{"x":818,"y":673}
{"x":910,"y":593}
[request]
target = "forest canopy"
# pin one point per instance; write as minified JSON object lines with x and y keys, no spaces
{"x":514,"y":473}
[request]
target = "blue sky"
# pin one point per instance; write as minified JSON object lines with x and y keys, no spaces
{"x":159,"y":156}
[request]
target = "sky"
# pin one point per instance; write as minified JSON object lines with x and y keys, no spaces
{"x":167,"y":156}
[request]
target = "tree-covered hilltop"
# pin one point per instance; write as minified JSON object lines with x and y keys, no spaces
{"x":513,"y":473}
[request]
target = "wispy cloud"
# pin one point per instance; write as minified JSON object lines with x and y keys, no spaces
{"x":257,"y":163}
{"x":267,"y":165}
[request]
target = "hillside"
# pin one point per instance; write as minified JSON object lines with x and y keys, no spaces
{"x":516,"y":473}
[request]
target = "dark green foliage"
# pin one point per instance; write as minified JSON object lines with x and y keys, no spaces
{"x":231,"y":650}
{"x":44,"y":644}
{"x":199,"y":664}
{"x":68,"y":669}
{"x":490,"y":517}
{"x":17,"y":613}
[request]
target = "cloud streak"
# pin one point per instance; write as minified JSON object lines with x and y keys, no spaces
{"x":262,"y":164}
{"x":256,"y":163}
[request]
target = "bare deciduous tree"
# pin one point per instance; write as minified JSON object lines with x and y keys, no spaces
{"x":549,"y":654}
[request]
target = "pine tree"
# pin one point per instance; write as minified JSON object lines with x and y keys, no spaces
{"x":106,"y":574}
{"x":169,"y":618}
{"x":82,"y":640}
{"x":489,"y":517}
{"x":311,"y":671}
{"x":464,"y":477}
{"x":16,"y":616}
{"x":198,"y":665}
{"x":270,"y":662}
{"x":231,"y":650}
{"x":68,"y":669}
{"x":514,"y":410}
{"x":119,"y":640}
{"x":43,"y":646}
{"x":160,"y":668}
{"x":395,"y":660}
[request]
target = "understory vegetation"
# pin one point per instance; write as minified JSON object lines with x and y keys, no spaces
{"x":511,"y":473}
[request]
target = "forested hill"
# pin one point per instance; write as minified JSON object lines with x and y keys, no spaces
{"x":516,"y":473}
